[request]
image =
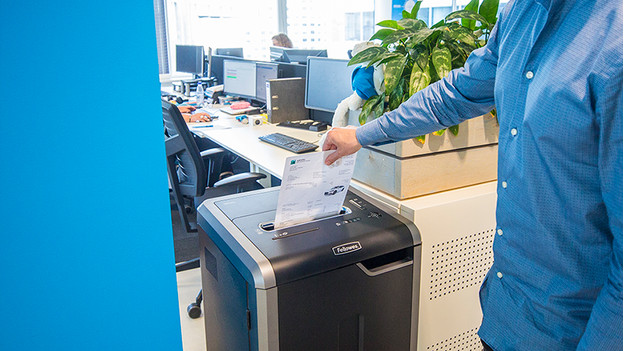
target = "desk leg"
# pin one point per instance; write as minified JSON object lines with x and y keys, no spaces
{"x":266,"y":182}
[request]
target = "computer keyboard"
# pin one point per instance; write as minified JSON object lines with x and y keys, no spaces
{"x":289,"y":143}
{"x":307,"y":124}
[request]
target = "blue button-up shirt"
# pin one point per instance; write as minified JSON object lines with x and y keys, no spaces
{"x":553,"y":70}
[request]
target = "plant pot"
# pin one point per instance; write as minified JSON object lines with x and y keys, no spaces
{"x":408,"y":168}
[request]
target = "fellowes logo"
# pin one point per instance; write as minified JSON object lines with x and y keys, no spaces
{"x":346,"y":248}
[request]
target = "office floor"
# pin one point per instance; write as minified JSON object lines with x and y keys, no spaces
{"x":193,"y":333}
{"x":186,"y":247}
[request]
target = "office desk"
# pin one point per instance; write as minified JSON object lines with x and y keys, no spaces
{"x":457,"y":229}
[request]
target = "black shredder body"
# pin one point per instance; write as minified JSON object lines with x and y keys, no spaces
{"x":345,"y":282}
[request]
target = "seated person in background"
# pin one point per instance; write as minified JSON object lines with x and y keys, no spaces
{"x":190,"y":117}
{"x":282,"y":40}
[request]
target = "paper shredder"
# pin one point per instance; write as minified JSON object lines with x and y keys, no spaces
{"x":344,"y":282}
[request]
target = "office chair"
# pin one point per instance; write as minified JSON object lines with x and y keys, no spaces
{"x":194,"y":175}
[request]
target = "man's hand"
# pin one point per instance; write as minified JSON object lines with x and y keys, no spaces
{"x":342,"y":140}
{"x":197,"y":117}
{"x":186,"y":109}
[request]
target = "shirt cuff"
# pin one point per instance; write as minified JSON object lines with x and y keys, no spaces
{"x":370,"y":133}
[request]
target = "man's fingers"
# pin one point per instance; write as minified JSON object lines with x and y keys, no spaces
{"x":331,"y":158}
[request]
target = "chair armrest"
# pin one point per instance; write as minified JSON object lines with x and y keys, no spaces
{"x":210,"y":153}
{"x":240,"y":179}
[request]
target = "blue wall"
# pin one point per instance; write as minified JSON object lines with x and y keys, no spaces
{"x":86,"y":250}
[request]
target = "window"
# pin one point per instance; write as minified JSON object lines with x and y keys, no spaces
{"x":222,"y":24}
{"x":250,"y":24}
{"x":431,"y":11}
{"x":338,"y":25}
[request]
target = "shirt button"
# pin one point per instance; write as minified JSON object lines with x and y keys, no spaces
{"x":529,"y":75}
{"x":499,"y":231}
{"x":514,"y":131}
{"x":499,"y":275}
{"x":504,"y":184}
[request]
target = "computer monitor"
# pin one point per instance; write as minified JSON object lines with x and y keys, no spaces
{"x":264,"y":71}
{"x":216,"y":64}
{"x":291,"y":70}
{"x":295,"y":55}
{"x":236,"y":52}
{"x":239,"y":78}
{"x":277,"y":54}
{"x":190,"y":59}
{"x":328,"y":82}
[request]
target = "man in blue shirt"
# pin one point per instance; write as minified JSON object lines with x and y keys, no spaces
{"x":553,"y":70}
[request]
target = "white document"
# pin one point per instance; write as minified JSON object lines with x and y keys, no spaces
{"x":311,"y":189}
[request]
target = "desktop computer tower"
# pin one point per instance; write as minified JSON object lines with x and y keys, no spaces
{"x":346,"y":282}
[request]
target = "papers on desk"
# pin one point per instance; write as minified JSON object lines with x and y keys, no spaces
{"x":311,"y":189}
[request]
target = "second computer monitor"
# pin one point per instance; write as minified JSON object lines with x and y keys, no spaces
{"x":327,"y":83}
{"x":264,"y":72}
{"x":190,"y":59}
{"x":239,"y":78}
{"x":236,"y":52}
{"x":279,"y":54}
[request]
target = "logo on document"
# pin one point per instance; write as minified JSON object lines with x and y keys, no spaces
{"x":346,"y":248}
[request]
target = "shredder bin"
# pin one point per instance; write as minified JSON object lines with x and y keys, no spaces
{"x":345,"y":282}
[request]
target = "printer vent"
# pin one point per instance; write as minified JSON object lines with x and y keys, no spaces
{"x":468,"y":340}
{"x":460,"y":263}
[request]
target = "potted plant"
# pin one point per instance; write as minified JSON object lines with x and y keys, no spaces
{"x":416,"y":55}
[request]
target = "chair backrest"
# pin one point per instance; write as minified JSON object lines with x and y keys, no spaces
{"x":184,"y":162}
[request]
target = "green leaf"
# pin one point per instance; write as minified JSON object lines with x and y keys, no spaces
{"x":406,"y":14}
{"x":419,"y":35}
{"x":454,"y":129}
{"x":439,"y":24}
{"x":409,"y":23}
{"x":420,"y":78}
{"x":466,"y":14}
{"x":396,"y":95}
{"x":378,"y":110}
{"x":389,"y":24}
{"x":463,"y":35}
{"x":423,"y":58}
{"x":390,"y":57}
{"x":397,"y":36}
{"x":472,"y":6}
{"x":415,"y":9}
{"x":394,"y":70}
{"x":367,"y":55}
{"x":420,"y":139}
{"x":441,"y":58}
{"x":381,"y":34}
{"x":439,"y":132}
{"x":489,"y":9}
{"x":368,"y":107}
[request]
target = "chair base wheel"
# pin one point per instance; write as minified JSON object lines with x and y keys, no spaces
{"x":194,"y":310}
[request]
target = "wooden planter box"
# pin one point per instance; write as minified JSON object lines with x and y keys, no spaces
{"x":407,"y":169}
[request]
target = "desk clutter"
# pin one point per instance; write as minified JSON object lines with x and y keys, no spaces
{"x":308,"y":124}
